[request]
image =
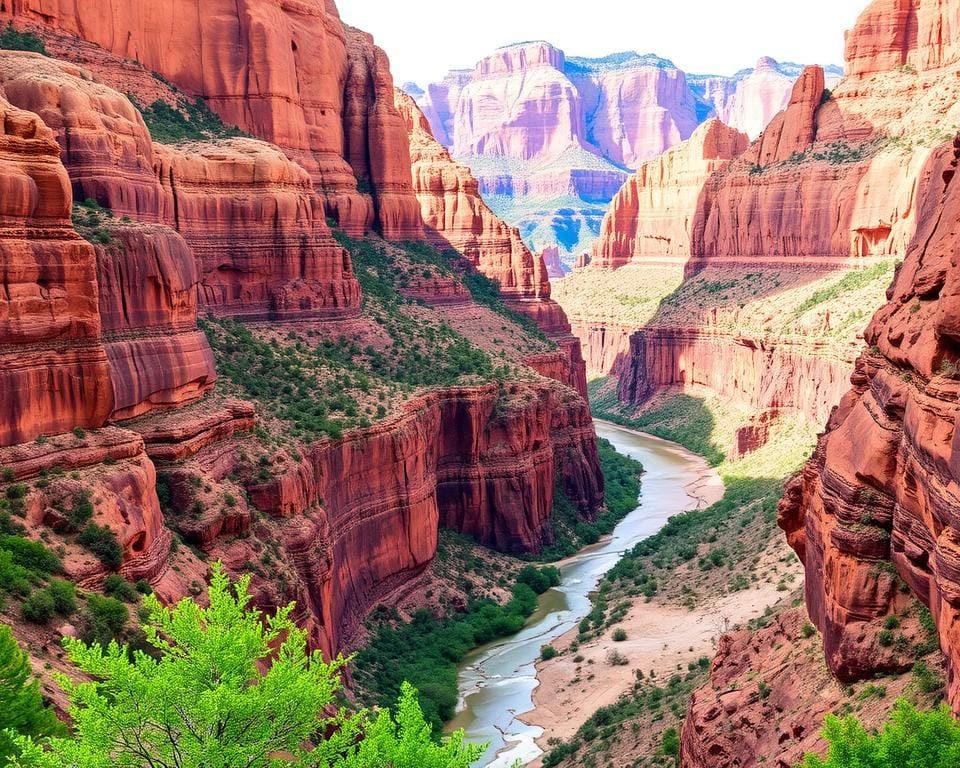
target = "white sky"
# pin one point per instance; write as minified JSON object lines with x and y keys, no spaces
{"x":425,"y":38}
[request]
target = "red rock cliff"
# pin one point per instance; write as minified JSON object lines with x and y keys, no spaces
{"x":53,"y":366}
{"x":357,"y":518}
{"x":653,"y":213}
{"x":290,"y":73}
{"x":884,"y":484}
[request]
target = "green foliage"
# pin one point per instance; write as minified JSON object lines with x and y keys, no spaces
{"x":619,"y":635}
{"x":64,"y":596}
{"x":102,"y":541}
{"x":103,"y":621}
{"x":21,"y":705}
{"x":203,"y":699}
{"x":911,"y":739}
{"x":670,"y":742}
{"x":539,"y":579}
{"x":38,"y":608}
{"x":548,"y":652}
{"x":12,"y":40}
{"x":851,"y":281}
{"x":188,"y":121}
{"x":425,"y":650}
{"x":31,"y":555}
{"x":808,"y":630}
{"x":650,"y":699}
{"x":117,"y":586}
{"x":682,"y":419}
{"x":925,"y":678}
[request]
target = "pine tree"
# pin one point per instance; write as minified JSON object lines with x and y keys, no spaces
{"x":22,"y":710}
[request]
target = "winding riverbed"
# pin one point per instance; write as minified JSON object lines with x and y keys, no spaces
{"x":497,"y":681}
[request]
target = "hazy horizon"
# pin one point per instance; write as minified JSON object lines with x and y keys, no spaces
{"x":424,"y":40}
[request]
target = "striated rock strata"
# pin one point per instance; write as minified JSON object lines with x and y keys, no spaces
{"x":654,"y":212}
{"x":290,"y":73}
{"x":53,"y":366}
{"x":455,"y":216}
{"x":884,"y":484}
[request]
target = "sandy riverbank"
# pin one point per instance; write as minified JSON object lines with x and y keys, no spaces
{"x":660,"y":638}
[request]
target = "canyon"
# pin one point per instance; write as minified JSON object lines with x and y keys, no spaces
{"x":124,"y":255}
{"x":742,"y":275}
{"x":262,"y":307}
{"x":552,"y":138}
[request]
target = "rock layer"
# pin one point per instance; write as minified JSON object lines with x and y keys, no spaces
{"x":53,"y":367}
{"x":359,"y":516}
{"x":653,"y":214}
{"x":290,"y":73}
{"x":455,"y":216}
{"x":889,"y":458}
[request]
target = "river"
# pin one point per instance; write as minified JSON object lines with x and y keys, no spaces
{"x":497,"y":681}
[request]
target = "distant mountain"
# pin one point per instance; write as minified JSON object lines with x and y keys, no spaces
{"x":552,"y":138}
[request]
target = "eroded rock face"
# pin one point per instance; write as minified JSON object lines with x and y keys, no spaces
{"x":53,"y":366}
{"x":883,"y":485}
{"x":147,"y":280}
{"x":653,"y":214}
{"x":290,"y":73}
{"x":478,"y":460}
{"x":254,"y":223}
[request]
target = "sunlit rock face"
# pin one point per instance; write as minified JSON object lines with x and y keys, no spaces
{"x":551,"y":137}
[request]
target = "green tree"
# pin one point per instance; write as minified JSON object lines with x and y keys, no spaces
{"x":22,"y":710}
{"x":203,"y":699}
{"x":405,"y":741}
{"x":910,"y":739}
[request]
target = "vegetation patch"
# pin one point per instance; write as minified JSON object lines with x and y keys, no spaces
{"x":15,"y":40}
{"x":189,"y":120}
{"x":425,"y":650}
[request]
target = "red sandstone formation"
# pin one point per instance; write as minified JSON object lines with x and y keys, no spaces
{"x":53,"y":367}
{"x":357,"y":517}
{"x":551,"y":260}
{"x":289,"y":73}
{"x":254,"y":223}
{"x":147,"y":281}
{"x":237,"y":227}
{"x":455,"y":216}
{"x":762,"y":374}
{"x":653,"y":214}
{"x":884,"y":483}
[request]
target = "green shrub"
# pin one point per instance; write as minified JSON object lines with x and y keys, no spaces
{"x":188,"y":121}
{"x":548,"y":652}
{"x":619,"y":635}
{"x":808,"y":630}
{"x":102,"y":542}
{"x":117,"y":586}
{"x":21,"y":703}
{"x":104,"y":620}
{"x":670,"y":742}
{"x":64,"y":596}
{"x":30,"y":555}
{"x":38,"y":608}
{"x":926,"y":679}
{"x":910,"y":738}
{"x":12,"y":40}
{"x":539,"y":579}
